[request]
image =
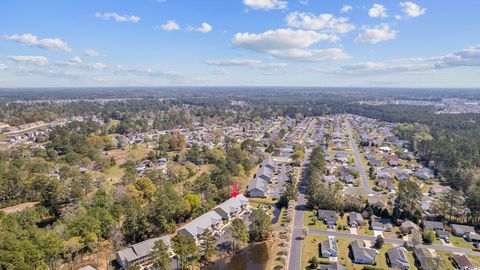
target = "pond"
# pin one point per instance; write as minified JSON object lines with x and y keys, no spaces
{"x":276,"y":215}
{"x":253,"y":257}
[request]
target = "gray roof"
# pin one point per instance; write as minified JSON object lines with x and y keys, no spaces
{"x":257,"y":183}
{"x":141,"y":249}
{"x":264,"y":172}
{"x":328,"y":244}
{"x":232,"y":205}
{"x":199,"y":225}
{"x":332,"y":266}
{"x":462,"y":228}
{"x":359,"y":251}
{"x":398,"y":255}
{"x":269,"y":162}
{"x":327,"y":215}
{"x":433,"y":225}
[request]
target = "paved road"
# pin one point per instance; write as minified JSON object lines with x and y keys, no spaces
{"x":391,"y":241}
{"x":295,"y":255}
{"x":358,"y":160}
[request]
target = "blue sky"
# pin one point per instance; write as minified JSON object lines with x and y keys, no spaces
{"x":427,"y":43}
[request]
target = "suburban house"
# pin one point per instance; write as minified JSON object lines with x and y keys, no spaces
{"x":433,"y":225}
{"x":355,"y":220}
{"x":463,"y":262}
{"x":328,"y":216}
{"x":139,"y":253}
{"x":361,"y":254}
{"x":257,"y":188}
{"x":374,"y":200}
{"x":330,"y":179}
{"x":425,"y":259}
{"x":408,"y":227}
{"x":472,"y":237}
{"x":402,"y":176}
{"x":381,"y":224}
{"x":328,"y":247}
{"x":208,"y":221}
{"x":425,"y":173}
{"x":461,"y":230}
{"x":332,"y":266}
{"x":269,"y":163}
{"x":232,"y":207}
{"x":264,"y":173}
{"x":348,"y":178}
{"x":397,"y":258}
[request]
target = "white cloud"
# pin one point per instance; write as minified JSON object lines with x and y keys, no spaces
{"x":376,"y":34}
{"x":245,"y":62}
{"x":170,"y":26}
{"x":117,"y":17}
{"x":303,"y":2}
{"x":32,"y":40}
{"x":311,"y":55}
{"x":78,"y":63}
{"x":377,"y":11}
{"x":3,"y":66}
{"x":289,"y":44}
{"x":466,"y":57}
{"x":266,"y":4}
{"x":411,"y":9}
{"x":326,"y":22}
{"x":35,"y":60}
{"x":279,"y":39}
{"x":91,"y":53}
{"x":204,"y":28}
{"x":346,"y":9}
{"x":469,"y":57}
{"x":219,"y":71}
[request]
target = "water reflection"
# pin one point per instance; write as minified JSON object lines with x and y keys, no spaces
{"x":254,"y":257}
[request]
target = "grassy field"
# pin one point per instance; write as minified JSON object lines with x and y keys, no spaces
{"x":114,"y":173}
{"x":307,"y":221}
{"x":381,"y":258}
{"x":310,"y":248}
{"x":460,"y":242}
{"x":444,"y":255}
{"x":411,"y":260}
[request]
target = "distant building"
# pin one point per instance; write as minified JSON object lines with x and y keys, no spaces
{"x":361,"y":254}
{"x":397,"y":258}
{"x":329,"y":248}
{"x":355,"y":220}
{"x":257,"y":188}
{"x":232,"y":207}
{"x":461,"y":230}
{"x":139,"y":253}
{"x":328,"y":216}
{"x":463,"y":262}
{"x":208,"y":221}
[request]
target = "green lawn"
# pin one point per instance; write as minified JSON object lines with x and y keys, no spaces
{"x":310,"y":248}
{"x":364,"y":230}
{"x":115,"y":172}
{"x":411,"y":260}
{"x":381,"y":258}
{"x":307,"y":221}
{"x":460,"y":242}
{"x":444,"y":255}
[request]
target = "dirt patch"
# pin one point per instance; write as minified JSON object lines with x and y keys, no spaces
{"x":18,"y":208}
